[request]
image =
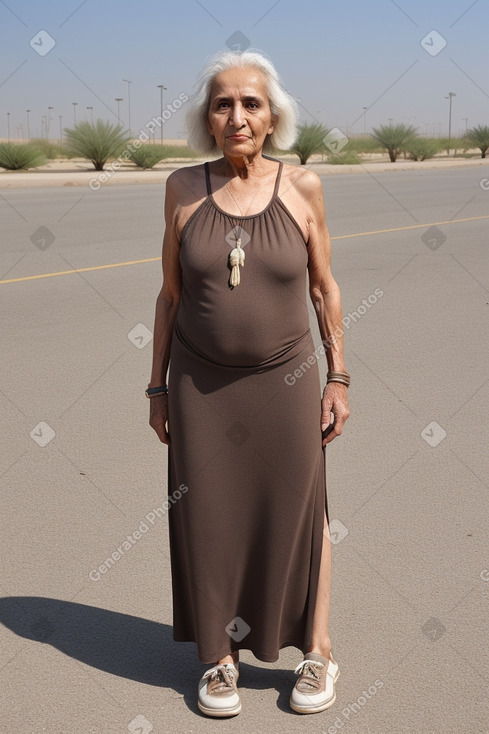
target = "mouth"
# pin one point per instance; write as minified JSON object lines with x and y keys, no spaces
{"x":238,"y":137}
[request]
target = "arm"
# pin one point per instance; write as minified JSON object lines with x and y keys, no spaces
{"x":326,"y":298}
{"x":167,"y":304}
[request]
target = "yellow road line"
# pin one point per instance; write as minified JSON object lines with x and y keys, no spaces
{"x":401,"y":229}
{"x":81,"y":270}
{"x":155,"y":259}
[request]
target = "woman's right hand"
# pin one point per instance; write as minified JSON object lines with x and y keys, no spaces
{"x":158,"y":417}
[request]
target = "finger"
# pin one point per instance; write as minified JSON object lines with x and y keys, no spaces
{"x":326,"y":418}
{"x":330,"y":437}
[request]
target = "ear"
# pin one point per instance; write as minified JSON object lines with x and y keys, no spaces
{"x":272,"y":124}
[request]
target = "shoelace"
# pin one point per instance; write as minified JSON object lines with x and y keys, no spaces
{"x":310,"y":669}
{"x":223,"y":673}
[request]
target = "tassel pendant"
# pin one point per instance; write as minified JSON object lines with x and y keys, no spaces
{"x":236,"y":258}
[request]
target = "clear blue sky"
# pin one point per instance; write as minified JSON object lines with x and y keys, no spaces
{"x":335,"y":57}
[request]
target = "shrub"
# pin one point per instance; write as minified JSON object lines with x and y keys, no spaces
{"x":97,"y":142}
{"x":479,"y":138}
{"x":420,"y":149}
{"x":15,"y":157}
{"x":147,"y":156}
{"x":344,"y":157}
{"x":310,"y":140}
{"x":394,"y":138}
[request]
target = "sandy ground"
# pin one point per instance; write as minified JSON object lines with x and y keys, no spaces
{"x":77,"y":172}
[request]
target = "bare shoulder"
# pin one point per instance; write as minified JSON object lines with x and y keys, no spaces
{"x":185,"y":192}
{"x":303,"y":179}
{"x":302,"y":192}
{"x":187,"y":184}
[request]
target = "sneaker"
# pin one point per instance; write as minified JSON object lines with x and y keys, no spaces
{"x":315,"y":689}
{"x":218,"y":691}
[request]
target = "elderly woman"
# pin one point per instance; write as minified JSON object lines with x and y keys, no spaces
{"x":242,"y":412}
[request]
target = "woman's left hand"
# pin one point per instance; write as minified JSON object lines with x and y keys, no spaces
{"x":335,"y":400}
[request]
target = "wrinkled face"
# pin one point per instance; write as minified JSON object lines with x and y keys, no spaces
{"x":239,"y":115}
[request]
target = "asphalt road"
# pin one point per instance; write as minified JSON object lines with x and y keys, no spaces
{"x":86,"y":651}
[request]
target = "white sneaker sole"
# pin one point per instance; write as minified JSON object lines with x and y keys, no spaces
{"x":319,"y":707}
{"x":219,"y":713}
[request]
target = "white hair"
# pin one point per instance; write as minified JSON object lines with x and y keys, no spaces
{"x":282,"y":104}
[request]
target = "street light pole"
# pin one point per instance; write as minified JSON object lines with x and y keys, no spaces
{"x":8,"y":127}
{"x":60,"y":129}
{"x":119,"y":100}
{"x":365,"y":119}
{"x":74,"y":112}
{"x":451,"y":95}
{"x":128,"y":82}
{"x":161,"y":88}
{"x":49,"y":121}
{"x":28,"y":126}
{"x":91,"y":114}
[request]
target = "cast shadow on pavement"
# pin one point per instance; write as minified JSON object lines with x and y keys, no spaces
{"x":123,"y":645}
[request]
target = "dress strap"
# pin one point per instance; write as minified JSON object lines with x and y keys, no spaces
{"x":277,"y":181}
{"x":207,"y":178}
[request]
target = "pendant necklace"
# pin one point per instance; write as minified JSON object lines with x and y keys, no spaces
{"x":237,"y":255}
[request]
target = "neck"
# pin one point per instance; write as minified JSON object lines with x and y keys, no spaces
{"x":243,"y":166}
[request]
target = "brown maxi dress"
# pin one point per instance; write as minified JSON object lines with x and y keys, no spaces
{"x":246,"y":536}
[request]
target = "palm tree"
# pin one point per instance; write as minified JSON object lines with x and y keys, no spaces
{"x":479,"y":136}
{"x":310,"y":140}
{"x":15,"y":157}
{"x":420,"y":149}
{"x":394,"y":138}
{"x":97,"y":142}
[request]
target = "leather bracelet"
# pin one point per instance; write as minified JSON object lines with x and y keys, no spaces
{"x":155,"y":392}
{"x":341,"y":377}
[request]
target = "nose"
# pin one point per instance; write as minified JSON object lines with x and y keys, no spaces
{"x":236,"y":115}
